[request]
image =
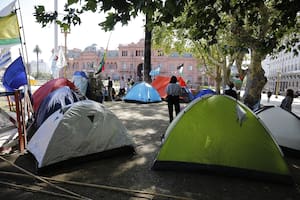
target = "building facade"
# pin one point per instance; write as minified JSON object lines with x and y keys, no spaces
{"x":128,"y":62}
{"x":283,"y":72}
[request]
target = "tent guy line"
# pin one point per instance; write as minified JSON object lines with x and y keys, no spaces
{"x":105,"y":187}
{"x":43,"y":180}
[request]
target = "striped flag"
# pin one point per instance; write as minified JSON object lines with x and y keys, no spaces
{"x":101,"y":65}
{"x":5,"y":57}
{"x":6,"y":7}
{"x":9,"y":32}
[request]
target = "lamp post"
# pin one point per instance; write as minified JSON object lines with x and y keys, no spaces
{"x":277,"y":83}
{"x":65,"y":30}
{"x":143,"y":64}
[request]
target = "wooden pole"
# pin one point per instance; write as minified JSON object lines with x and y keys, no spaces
{"x":20,"y":129}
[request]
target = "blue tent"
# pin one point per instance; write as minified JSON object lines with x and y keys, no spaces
{"x":203,"y":92}
{"x":142,"y":93}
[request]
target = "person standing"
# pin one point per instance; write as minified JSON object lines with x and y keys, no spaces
{"x":173,"y":91}
{"x":122,"y":87}
{"x":109,"y":87}
{"x":286,"y":103}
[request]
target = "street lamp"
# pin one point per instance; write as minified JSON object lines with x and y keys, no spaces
{"x":143,"y":68}
{"x":65,"y":30}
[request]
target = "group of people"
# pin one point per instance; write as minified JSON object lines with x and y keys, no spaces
{"x":285,"y":104}
{"x":174,"y":91}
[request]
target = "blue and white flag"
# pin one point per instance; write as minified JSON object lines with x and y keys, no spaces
{"x":5,"y":57}
{"x":155,"y":72}
{"x":6,"y":7}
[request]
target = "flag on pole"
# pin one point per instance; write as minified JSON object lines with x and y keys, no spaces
{"x":155,"y":72}
{"x":9,"y":32}
{"x":180,"y":68}
{"x":15,"y":75}
{"x":5,"y":57}
{"x":6,"y":7}
{"x":101,"y":65}
{"x":61,"y":59}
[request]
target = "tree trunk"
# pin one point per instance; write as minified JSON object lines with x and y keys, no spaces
{"x":255,"y":81}
{"x":218,"y":79}
{"x":147,"y":56}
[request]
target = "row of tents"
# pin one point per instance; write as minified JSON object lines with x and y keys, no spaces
{"x":213,"y":133}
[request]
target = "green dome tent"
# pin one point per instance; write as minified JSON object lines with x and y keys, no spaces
{"x":220,"y":134}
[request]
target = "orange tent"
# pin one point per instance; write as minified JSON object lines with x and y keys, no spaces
{"x":160,"y":83}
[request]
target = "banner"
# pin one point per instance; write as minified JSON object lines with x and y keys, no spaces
{"x":9,"y":31}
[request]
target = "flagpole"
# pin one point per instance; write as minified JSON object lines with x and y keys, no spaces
{"x":23,"y":44}
{"x":27,"y":103}
{"x":103,"y":57}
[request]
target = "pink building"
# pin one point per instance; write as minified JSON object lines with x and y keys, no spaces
{"x":128,"y":60}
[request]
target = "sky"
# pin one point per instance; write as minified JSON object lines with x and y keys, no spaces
{"x":86,"y":34}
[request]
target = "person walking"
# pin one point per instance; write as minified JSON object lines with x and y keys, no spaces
{"x":286,"y":103}
{"x":173,"y":91}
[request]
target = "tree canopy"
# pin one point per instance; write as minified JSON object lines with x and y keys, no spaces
{"x":261,"y":26}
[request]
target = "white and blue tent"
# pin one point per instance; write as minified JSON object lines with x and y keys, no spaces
{"x":142,"y":93}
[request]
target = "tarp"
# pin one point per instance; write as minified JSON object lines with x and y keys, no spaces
{"x":80,"y":129}
{"x":284,"y":126}
{"x":203,"y":92}
{"x":142,"y":93}
{"x":80,"y":80}
{"x":48,"y":87}
{"x":160,"y":83}
{"x":218,"y":133}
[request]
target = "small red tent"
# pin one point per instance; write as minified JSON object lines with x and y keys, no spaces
{"x":160,"y":83}
{"x":47,"y":88}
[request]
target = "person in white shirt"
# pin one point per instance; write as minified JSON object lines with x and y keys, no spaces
{"x":173,"y":93}
{"x":122,"y":86}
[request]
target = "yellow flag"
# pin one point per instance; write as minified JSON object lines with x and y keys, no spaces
{"x":9,"y":31}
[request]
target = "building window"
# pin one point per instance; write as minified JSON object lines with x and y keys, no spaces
{"x":190,"y":68}
{"x":124,"y":53}
{"x":139,"y":53}
{"x":124,"y":66}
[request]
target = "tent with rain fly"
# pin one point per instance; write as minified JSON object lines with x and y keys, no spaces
{"x":217,"y":133}
{"x":284,"y":126}
{"x":48,"y":87}
{"x":142,"y":93}
{"x":76,"y":130}
{"x":55,"y":100}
